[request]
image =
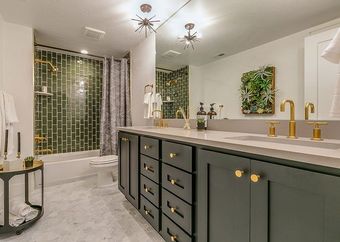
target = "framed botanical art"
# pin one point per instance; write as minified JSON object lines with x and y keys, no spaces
{"x":258,"y":91}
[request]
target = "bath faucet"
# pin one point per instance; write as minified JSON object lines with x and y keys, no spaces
{"x":186,"y":119}
{"x":292,"y":123}
{"x":309,"y":107}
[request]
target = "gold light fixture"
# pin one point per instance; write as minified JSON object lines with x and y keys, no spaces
{"x":190,"y":38}
{"x":146,"y":23}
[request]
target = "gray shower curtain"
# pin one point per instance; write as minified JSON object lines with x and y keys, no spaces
{"x":116,"y":111}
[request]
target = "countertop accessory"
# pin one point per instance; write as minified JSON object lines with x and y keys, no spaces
{"x":309,"y":107}
{"x":9,"y":170}
{"x":292,"y":123}
{"x":159,"y":122}
{"x":212,"y":114}
{"x":146,"y":23}
{"x":202,"y":118}
{"x":272,"y":128}
{"x":317,"y":130}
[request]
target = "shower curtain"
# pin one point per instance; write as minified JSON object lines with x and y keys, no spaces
{"x":116,"y":109}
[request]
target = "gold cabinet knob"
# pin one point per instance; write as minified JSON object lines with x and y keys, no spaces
{"x":173,"y":182}
{"x":147,"y":147}
{"x":125,"y":139}
{"x":255,"y":178}
{"x":173,"y":238}
{"x":239,"y":173}
{"x":173,"y":210}
{"x":147,"y":212}
{"x":146,"y":168}
{"x":146,"y":189}
{"x":172,"y":155}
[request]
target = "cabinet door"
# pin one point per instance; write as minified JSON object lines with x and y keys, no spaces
{"x":123,"y":154}
{"x":223,"y":199}
{"x":129,"y":167}
{"x":295,"y":205}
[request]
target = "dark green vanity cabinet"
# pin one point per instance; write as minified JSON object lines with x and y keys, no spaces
{"x":264,"y":202}
{"x":128,"y":166}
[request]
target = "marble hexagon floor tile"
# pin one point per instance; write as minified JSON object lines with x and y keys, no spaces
{"x":78,"y":212}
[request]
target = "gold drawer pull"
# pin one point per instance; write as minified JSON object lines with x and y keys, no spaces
{"x":146,"y":189}
{"x":255,"y":178}
{"x":173,"y":238}
{"x":147,"y":147}
{"x":125,"y":139}
{"x":239,"y":173}
{"x":173,"y":182}
{"x":146,"y":212}
{"x":173,"y":210}
{"x":172,"y":155}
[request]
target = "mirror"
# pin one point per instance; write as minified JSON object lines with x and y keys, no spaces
{"x":244,"y":58}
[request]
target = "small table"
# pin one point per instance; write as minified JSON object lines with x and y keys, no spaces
{"x":13,"y":168}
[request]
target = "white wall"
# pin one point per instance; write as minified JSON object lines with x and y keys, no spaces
{"x":221,"y":79}
{"x":18,"y":78}
{"x":143,"y":72}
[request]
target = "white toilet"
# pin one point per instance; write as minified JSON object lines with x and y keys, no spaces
{"x":104,"y":167}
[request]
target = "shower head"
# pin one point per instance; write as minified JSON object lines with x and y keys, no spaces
{"x":54,"y":68}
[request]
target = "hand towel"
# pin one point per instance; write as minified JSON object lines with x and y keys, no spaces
{"x":10,"y":111}
{"x":156,"y":101}
{"x":20,"y":209}
{"x":147,"y":105}
{"x":33,"y":213}
{"x":332,"y":52}
{"x":10,"y":119}
{"x":335,"y":106}
{"x":14,"y":220}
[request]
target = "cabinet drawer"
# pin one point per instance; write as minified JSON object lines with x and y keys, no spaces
{"x":150,"y":190}
{"x":149,"y":212}
{"x":150,"y":168}
{"x":178,"y":182}
{"x":149,"y":147}
{"x":177,"y":155}
{"x":171,"y":232}
{"x":178,"y":210}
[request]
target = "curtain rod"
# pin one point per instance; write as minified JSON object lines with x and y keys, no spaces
{"x":72,"y":51}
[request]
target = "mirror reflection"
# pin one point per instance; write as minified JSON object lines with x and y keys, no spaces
{"x":242,"y":59}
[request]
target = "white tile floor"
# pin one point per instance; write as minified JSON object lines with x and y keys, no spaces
{"x":77,"y":212}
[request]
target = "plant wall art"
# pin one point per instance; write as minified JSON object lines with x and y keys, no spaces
{"x":258,"y":91}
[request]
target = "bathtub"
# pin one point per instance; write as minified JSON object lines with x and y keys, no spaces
{"x":67,"y":167}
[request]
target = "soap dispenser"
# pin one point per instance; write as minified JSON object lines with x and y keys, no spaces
{"x":202,"y":118}
{"x":212,"y":114}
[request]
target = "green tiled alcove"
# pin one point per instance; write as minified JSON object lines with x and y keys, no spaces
{"x":177,"y":91}
{"x":70,"y":119}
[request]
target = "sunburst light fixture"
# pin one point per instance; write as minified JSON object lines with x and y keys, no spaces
{"x":146,"y":23}
{"x":190,"y":38}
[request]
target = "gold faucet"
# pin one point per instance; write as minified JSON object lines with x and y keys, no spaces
{"x":292,"y":123}
{"x":160,"y":123}
{"x":309,"y":107}
{"x":186,"y":119}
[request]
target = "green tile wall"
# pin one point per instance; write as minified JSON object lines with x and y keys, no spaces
{"x":179,"y":93}
{"x":70,"y":118}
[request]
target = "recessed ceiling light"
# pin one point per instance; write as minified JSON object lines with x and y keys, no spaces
{"x":85,"y":52}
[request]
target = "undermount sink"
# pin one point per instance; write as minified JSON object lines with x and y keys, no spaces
{"x":311,"y":143}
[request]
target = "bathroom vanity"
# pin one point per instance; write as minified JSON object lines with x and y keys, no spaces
{"x":221,"y":186}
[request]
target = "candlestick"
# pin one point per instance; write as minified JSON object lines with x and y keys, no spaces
{"x":19,"y":145}
{"x":6,"y":144}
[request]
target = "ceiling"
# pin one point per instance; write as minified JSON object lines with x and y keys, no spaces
{"x":60,"y":23}
{"x":232,"y":26}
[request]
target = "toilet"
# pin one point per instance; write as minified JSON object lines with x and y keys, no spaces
{"x":104,"y":168}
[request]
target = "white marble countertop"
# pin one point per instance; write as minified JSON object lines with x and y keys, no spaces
{"x":226,"y":140}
